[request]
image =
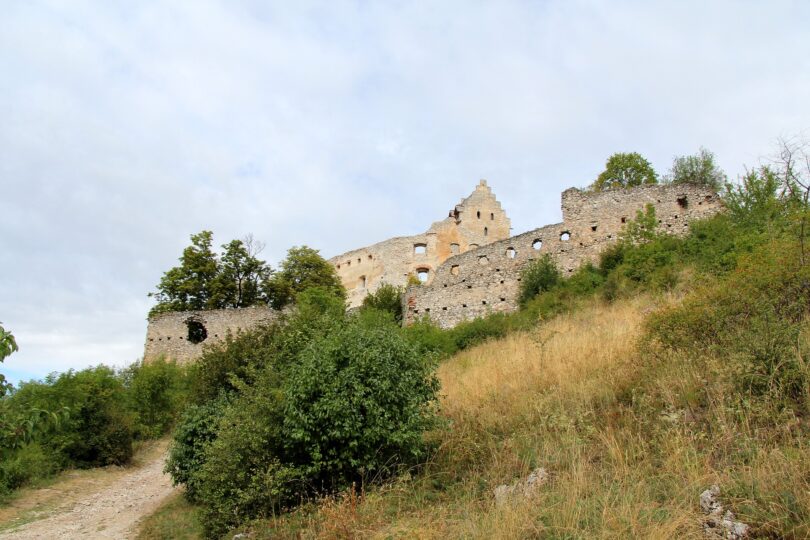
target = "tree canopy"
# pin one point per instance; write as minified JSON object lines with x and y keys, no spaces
{"x":204,"y":280}
{"x":624,"y":170}
{"x":699,"y":169}
{"x":238,"y":278}
{"x":302,"y":269}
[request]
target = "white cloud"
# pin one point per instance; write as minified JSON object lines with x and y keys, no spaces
{"x":125,"y":128}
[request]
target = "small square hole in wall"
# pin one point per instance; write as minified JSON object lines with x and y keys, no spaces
{"x":444,"y":308}
{"x":503,"y":299}
{"x":463,"y":305}
{"x":501,"y":282}
{"x":624,"y":219}
{"x":484,"y":302}
{"x":593,"y":228}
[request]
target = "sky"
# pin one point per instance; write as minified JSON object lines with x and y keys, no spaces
{"x":125,"y":127}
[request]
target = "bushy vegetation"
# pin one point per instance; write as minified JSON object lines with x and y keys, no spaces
{"x":673,"y":364}
{"x":386,"y":298}
{"x":238,"y":278}
{"x":624,"y":170}
{"x":313,"y":404}
{"x":86,"y":418}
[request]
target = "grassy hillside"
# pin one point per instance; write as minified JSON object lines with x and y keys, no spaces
{"x":629,"y":436}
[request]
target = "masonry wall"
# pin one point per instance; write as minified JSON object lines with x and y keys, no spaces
{"x":487,"y":279}
{"x":477,"y":220}
{"x":168,"y":333}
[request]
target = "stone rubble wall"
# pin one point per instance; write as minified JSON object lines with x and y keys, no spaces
{"x":475,"y":221}
{"x":167,"y":334}
{"x":487,"y":280}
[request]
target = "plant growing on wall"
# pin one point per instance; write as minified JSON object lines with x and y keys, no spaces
{"x":624,"y":170}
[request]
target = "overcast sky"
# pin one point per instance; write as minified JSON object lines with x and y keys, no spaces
{"x":128,"y":126}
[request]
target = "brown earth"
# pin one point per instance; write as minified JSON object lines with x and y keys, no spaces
{"x":99,"y":503}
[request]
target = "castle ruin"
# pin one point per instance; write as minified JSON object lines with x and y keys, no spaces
{"x":468,"y":264}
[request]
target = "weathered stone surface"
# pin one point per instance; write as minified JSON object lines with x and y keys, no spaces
{"x":718,"y":524}
{"x":477,"y":220}
{"x":487,"y":279}
{"x":472,"y":265}
{"x":168,"y":333}
{"x":521,"y":489}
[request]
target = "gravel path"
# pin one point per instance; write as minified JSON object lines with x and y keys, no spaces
{"x":111,"y":511}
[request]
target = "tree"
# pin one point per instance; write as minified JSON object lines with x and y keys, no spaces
{"x":190,"y":285}
{"x":8,"y":345}
{"x":538,"y":276}
{"x":386,"y":298}
{"x":240,"y":274}
{"x":697,"y":169}
{"x":205,"y":281}
{"x":303,"y":269}
{"x":625,"y":170}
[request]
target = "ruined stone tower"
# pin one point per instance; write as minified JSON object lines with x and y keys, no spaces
{"x":476,"y":221}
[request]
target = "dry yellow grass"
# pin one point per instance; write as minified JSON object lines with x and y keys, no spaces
{"x":630,"y":442}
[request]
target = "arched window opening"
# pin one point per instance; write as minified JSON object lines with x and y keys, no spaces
{"x":511,"y":253}
{"x":537,"y":244}
{"x":565,"y":237}
{"x":361,"y":283}
{"x":422,"y":274}
{"x":483,"y":260}
{"x":492,"y":215}
{"x":473,"y":246}
{"x":454,"y":269}
{"x":478,"y":214}
{"x":486,"y":231}
{"x":454,"y":249}
{"x":196,"y":331}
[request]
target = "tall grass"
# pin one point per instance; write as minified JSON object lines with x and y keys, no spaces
{"x":630,"y":436}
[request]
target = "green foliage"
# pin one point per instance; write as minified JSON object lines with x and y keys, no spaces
{"x":538,"y":276}
{"x":753,"y":318}
{"x":754,"y":201}
{"x":303,"y":269}
{"x":155,"y":393}
{"x":8,"y":345}
{"x":624,"y":170}
{"x":205,"y":281}
{"x":328,"y":400}
{"x":29,"y":463}
{"x":196,"y":429}
{"x":386,"y":298}
{"x":697,"y":169}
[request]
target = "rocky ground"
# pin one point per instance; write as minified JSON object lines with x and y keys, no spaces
{"x":99,"y":504}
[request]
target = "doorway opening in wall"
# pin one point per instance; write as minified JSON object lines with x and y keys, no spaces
{"x":422,"y":274}
{"x":196,"y":331}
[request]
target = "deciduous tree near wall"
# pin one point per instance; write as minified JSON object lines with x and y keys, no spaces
{"x":697,"y":169}
{"x":303,"y":269}
{"x":624,"y":170}
{"x":205,"y":281}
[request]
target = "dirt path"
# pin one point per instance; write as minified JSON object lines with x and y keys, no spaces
{"x":106,"y":503}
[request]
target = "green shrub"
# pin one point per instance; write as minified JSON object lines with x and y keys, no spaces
{"x":386,"y":298}
{"x":156,"y":392}
{"x":753,"y":318}
{"x":538,"y":276}
{"x":351,"y":408}
{"x":196,"y":429}
{"x":99,"y":428}
{"x":31,"y":462}
{"x":429,"y":338}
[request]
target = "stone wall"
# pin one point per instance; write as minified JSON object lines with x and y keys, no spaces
{"x":173,"y":335}
{"x":487,"y":279}
{"x":477,"y":220}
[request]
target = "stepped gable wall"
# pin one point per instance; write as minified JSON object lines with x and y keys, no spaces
{"x":487,"y":279}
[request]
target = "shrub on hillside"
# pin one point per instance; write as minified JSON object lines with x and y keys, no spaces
{"x":155,"y":393}
{"x":753,"y":318}
{"x":386,"y":298}
{"x":538,"y":276}
{"x":98,"y":429}
{"x":352,"y":407}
